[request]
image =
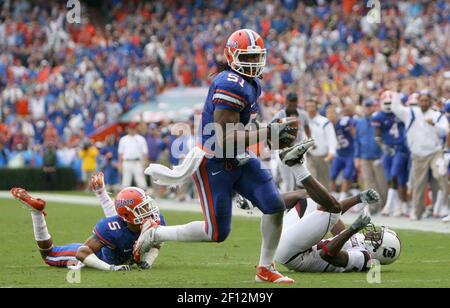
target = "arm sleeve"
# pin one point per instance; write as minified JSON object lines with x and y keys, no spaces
{"x":402,"y":112}
{"x":93,"y":261}
{"x":229,"y":95}
{"x":103,"y":233}
{"x":106,"y":202}
{"x":442,"y":126}
{"x":144,"y":146}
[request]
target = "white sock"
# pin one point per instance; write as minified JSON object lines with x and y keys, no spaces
{"x":39,"y":227}
{"x":438,"y":203}
{"x":391,"y":199}
{"x":191,"y":232}
{"x":271,"y":226}
{"x":106,"y":202}
{"x":300,"y":172}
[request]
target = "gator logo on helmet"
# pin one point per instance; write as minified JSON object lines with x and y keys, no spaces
{"x":232,"y":44}
{"x":124,"y":202}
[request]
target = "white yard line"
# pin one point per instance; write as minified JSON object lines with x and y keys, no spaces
{"x":429,"y":225}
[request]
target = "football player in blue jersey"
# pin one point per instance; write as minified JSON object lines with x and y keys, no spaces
{"x":230,"y":106}
{"x":344,"y":160}
{"x":110,"y":247}
{"x":391,"y":136}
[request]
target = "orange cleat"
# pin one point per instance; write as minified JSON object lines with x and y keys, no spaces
{"x":26,"y":199}
{"x":270,"y":274}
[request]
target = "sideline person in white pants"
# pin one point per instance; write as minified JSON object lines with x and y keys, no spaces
{"x":133,"y":153}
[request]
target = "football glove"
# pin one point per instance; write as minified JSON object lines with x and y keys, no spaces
{"x":282,"y":129}
{"x":361,"y":222}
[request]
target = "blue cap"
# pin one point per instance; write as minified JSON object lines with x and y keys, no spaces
{"x":368,"y":102}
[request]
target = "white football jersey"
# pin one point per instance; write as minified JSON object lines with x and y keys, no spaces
{"x":312,"y":262}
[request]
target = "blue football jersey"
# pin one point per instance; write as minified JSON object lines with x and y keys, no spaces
{"x":117,"y":239}
{"x":392,"y":129}
{"x":230,"y":91}
{"x":344,"y":134}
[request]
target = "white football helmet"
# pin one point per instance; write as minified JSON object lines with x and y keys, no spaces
{"x":386,"y":101}
{"x":383,"y":244}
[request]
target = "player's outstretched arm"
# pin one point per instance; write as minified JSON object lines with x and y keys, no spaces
{"x":86,"y":254}
{"x":332,"y":251}
{"x":369,"y":196}
{"x":98,"y":186}
{"x":150,"y":257}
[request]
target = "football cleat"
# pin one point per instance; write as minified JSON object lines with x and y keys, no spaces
{"x":446,"y":219}
{"x":270,"y":274}
{"x":146,"y":240}
{"x":33,"y":204}
{"x":295,"y":154}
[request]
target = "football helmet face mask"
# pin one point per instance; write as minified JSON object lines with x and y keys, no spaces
{"x":245,"y":53}
{"x":386,"y":101}
{"x":383,"y":244}
{"x":134,"y":206}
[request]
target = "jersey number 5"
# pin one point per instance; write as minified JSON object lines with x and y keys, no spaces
{"x":235,"y":78}
{"x":113,"y":225}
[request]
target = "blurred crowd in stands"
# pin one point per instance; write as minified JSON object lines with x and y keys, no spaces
{"x":60,"y":82}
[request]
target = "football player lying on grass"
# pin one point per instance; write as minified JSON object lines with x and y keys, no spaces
{"x":302,"y":247}
{"x":110,"y":246}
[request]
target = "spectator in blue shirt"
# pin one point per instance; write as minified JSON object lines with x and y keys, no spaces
{"x":368,"y":154}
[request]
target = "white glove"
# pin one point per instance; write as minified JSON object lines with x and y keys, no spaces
{"x":370,"y":196}
{"x":361,"y":222}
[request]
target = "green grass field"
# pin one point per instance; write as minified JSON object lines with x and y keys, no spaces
{"x":425,"y":259}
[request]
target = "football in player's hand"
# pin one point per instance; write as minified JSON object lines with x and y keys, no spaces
{"x":287,"y":129}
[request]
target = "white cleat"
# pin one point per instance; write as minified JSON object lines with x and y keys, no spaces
{"x":446,"y":219}
{"x":295,"y":154}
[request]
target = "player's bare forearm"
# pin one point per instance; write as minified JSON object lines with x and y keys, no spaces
{"x":91,"y":246}
{"x":348,"y":203}
{"x":338,"y":228}
{"x":332,"y":251}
